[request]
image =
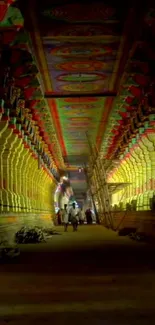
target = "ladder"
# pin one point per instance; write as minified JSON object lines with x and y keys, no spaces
{"x":88,"y":179}
{"x":97,"y":179}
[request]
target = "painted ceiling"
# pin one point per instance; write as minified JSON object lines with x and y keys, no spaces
{"x":85,"y":71}
{"x":76,"y":59}
{"x":81,"y":49}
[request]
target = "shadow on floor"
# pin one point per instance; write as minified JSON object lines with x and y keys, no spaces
{"x":90,"y":277}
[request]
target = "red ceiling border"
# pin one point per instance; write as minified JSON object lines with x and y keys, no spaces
{"x":55,"y":115}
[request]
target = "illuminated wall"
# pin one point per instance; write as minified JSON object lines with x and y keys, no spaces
{"x":137,"y":166}
{"x":28,"y":168}
{"x":25,"y":187}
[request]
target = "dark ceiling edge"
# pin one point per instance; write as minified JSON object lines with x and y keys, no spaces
{"x":130,"y":35}
{"x":79,"y":95}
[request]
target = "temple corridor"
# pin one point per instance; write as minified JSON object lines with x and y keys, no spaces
{"x":77,"y":145}
{"x":89,"y":277}
{"x":77,"y":102}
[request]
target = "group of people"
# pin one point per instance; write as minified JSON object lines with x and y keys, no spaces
{"x":73,"y":215}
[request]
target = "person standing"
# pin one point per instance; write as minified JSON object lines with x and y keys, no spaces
{"x":59,"y":216}
{"x":65,"y":218}
{"x":81,"y":216}
{"x":89,"y":217}
{"x":74,"y":216}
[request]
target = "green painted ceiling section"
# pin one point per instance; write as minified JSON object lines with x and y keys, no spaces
{"x":76,"y":118}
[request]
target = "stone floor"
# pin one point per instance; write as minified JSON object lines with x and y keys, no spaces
{"x":90,"y":277}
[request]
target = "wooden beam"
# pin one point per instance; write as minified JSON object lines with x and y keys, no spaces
{"x":79,"y":95}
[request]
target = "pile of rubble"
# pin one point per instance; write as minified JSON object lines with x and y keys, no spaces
{"x":134,"y":234}
{"x":8,"y":251}
{"x":28,"y":235}
{"x":139,"y":236}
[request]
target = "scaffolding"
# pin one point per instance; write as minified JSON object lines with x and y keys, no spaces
{"x":96,"y":178}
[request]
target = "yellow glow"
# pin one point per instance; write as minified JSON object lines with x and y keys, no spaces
{"x":138,"y":168}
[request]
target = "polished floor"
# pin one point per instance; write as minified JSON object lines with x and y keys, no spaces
{"x":90,"y":277}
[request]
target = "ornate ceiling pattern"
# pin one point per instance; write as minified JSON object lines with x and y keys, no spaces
{"x":75,"y":59}
{"x":83,"y":71}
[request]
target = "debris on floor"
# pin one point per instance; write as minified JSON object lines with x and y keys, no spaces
{"x":134,"y":234}
{"x":7,"y":253}
{"x":140,"y":236}
{"x":126,"y":231}
{"x":27,"y":235}
{"x":8,"y":249}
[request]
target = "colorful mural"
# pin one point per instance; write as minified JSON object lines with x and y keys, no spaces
{"x":79,"y":65}
{"x":82,"y":77}
{"x":81,"y":50}
{"x":77,"y":61}
{"x":91,"y":74}
{"x":79,"y":118}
